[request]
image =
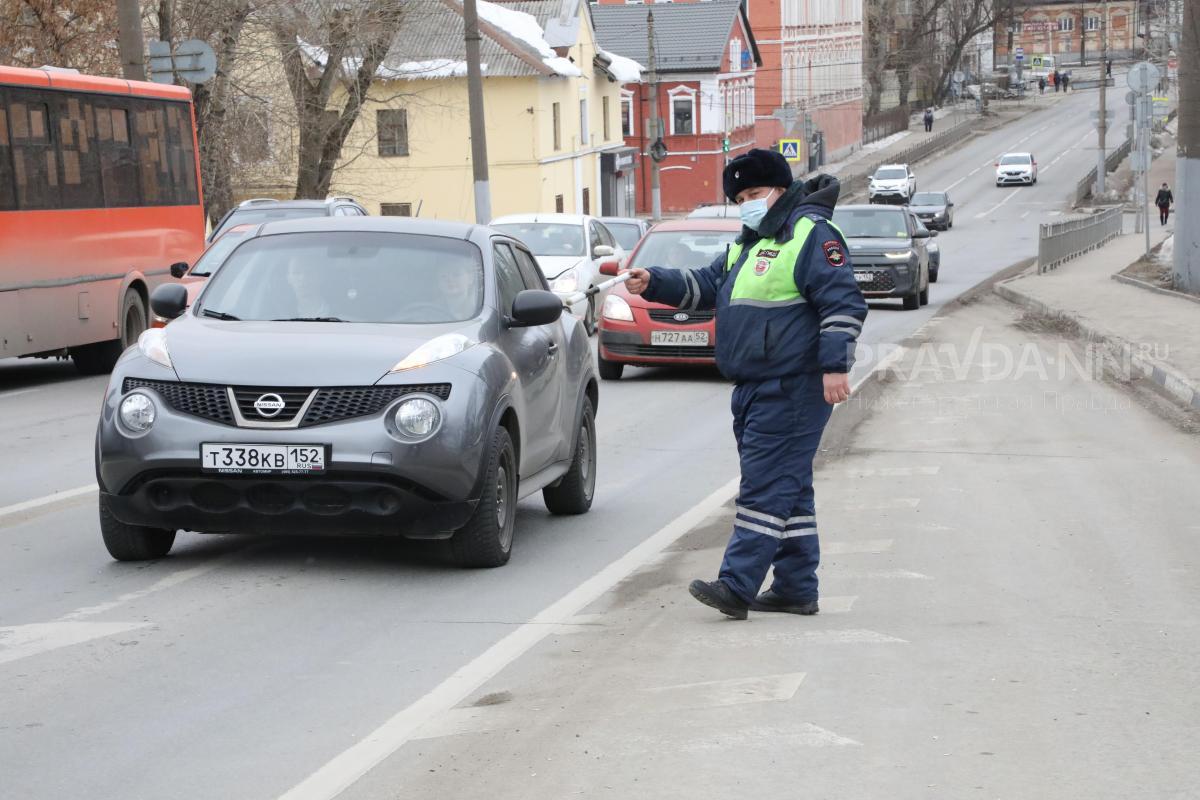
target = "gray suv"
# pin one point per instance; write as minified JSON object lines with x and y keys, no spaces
{"x":266,"y":209}
{"x":887,"y":251}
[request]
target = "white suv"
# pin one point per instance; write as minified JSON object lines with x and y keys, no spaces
{"x":1019,"y":168}
{"x":892,"y":183}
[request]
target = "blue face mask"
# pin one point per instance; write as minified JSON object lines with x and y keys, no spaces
{"x":753,"y":211}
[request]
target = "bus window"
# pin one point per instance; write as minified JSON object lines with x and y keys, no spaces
{"x":8,"y":197}
{"x":118,"y":171}
{"x":35,"y":162}
{"x":80,"y":168}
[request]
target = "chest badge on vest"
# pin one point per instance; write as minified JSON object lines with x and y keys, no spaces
{"x":763,"y":262}
{"x":833,"y":253}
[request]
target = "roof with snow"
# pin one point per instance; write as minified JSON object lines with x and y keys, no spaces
{"x":689,"y":37}
{"x":513,"y":41}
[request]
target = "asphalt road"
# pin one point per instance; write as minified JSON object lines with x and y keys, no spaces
{"x":237,"y":666}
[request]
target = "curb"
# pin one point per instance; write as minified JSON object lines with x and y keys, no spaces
{"x":1119,"y":278}
{"x":1176,"y":385}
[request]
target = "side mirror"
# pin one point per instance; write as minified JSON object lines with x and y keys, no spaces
{"x":169,"y":300}
{"x":602,"y":251}
{"x":920,"y":234}
{"x":610,"y":268}
{"x":179,"y":269}
{"x":534,"y":307}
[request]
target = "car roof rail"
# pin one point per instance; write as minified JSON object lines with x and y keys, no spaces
{"x":256,"y":200}
{"x":340,"y":198}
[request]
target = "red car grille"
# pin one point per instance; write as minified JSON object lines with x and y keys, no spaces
{"x":667,"y":315}
{"x":660,"y":351}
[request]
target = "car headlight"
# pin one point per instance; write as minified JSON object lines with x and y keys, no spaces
{"x":566,"y":283}
{"x":417,"y":417}
{"x":904,"y":254}
{"x":450,"y":344}
{"x":153,"y":345}
{"x":137,"y":412}
{"x":615,"y":307}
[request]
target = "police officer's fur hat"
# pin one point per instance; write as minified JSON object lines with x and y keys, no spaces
{"x":756,"y":168}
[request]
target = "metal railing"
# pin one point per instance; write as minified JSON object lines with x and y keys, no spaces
{"x":1083,"y":189}
{"x":1062,"y":241}
{"x":856,"y":183}
{"x":885,"y":123}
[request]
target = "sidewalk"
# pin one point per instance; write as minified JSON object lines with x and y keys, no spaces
{"x":985,"y":629}
{"x":1156,"y":332}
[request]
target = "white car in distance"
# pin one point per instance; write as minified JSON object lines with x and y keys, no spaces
{"x":569,"y":249}
{"x":1018,"y":168}
{"x":892,"y":183}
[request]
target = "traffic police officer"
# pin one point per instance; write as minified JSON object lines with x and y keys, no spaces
{"x":788,"y":313}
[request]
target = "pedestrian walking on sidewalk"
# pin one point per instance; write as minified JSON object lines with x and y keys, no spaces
{"x":1054,"y":81}
{"x":928,"y":120}
{"x":1163,"y":200}
{"x":1066,"y":82}
{"x":1108,"y":68}
{"x":788,"y":314}
{"x":1041,"y":84}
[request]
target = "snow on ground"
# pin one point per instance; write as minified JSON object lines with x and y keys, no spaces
{"x":1166,"y":252}
{"x":525,"y":27}
{"x":625,"y":70}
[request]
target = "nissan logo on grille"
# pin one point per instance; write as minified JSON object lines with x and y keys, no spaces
{"x":681,"y":317}
{"x":269,"y":405}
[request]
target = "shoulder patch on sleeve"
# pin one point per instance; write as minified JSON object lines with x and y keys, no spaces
{"x":833,"y":253}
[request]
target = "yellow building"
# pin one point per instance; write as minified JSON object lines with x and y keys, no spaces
{"x":552,"y":103}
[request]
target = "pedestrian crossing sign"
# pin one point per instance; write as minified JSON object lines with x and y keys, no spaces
{"x":790,"y":149}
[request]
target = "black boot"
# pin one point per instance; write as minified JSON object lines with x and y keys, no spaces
{"x":716,"y":594}
{"x":769,"y":601}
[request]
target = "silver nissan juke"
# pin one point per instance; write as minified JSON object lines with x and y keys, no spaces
{"x":352,"y":375}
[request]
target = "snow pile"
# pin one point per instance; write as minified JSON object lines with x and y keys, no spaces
{"x":417,"y":70}
{"x":1166,"y":251}
{"x":625,"y":70}
{"x":524,"y":27}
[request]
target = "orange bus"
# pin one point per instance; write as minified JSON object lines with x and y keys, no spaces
{"x":99,"y":195}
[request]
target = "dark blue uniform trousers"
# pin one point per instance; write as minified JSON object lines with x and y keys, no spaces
{"x":778,"y":425}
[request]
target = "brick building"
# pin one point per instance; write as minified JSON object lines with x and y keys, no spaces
{"x":707,"y":61}
{"x":1062,"y":29}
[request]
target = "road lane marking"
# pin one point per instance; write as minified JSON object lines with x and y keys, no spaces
{"x":22,"y":641}
{"x":1026,"y":214}
{"x":344,"y":769}
{"x":898,"y":574}
{"x":50,"y":499}
{"x":1011,"y":195}
{"x":739,"y":636}
{"x":15,"y":392}
{"x":892,"y":472}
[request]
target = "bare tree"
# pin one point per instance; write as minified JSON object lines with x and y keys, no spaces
{"x":81,"y":34}
{"x":878,"y":25}
{"x":331,"y":53}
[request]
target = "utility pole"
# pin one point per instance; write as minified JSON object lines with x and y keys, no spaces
{"x":655,"y":125}
{"x":1102,"y":125}
{"x":129,"y":40}
{"x":1083,"y":35}
{"x":479,"y":162}
{"x":1187,"y":159}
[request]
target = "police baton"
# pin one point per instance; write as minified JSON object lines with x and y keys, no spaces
{"x":579,"y":297}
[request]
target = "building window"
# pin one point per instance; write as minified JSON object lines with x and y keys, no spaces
{"x":392,"y":131}
{"x":1066,"y":23}
{"x":627,"y":115}
{"x":395,"y":209}
{"x":587,"y":200}
{"x":683,"y":114}
{"x":1092,"y":23}
{"x":604,"y":112}
{"x":735,"y":55}
{"x":583,"y":122}
{"x":557,"y":121}
{"x":1017,"y":26}
{"x":558,"y":201}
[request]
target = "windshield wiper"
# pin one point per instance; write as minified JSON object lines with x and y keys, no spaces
{"x":208,"y":312}
{"x":310,"y":319}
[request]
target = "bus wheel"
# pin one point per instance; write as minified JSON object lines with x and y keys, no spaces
{"x":101,"y":357}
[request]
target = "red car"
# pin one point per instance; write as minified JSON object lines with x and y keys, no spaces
{"x":634,"y":331}
{"x":195,"y":278}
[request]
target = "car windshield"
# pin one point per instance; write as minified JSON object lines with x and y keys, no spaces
{"x":864,"y":223}
{"x":348,"y":277}
{"x":216,"y":253}
{"x":682,"y":249}
{"x":547,"y":238}
{"x":256,"y":215}
{"x":626,"y":233}
{"x":928,"y":199}
{"x":890,"y":174}
{"x":714,"y":212}
{"x":1014,"y":160}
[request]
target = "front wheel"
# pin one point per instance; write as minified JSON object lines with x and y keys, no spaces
{"x":933,"y":276}
{"x":912,"y":300}
{"x":486,"y":540}
{"x":573,"y":494}
{"x":132,"y":542}
{"x":609,"y":370}
{"x":101,"y":357}
{"x":589,"y":319}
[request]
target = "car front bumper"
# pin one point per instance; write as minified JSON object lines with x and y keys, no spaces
{"x":935,"y":221}
{"x":1022,"y":178}
{"x":883,"y":279}
{"x":890,"y":195}
{"x":631,"y":342}
{"x":373,"y":483}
